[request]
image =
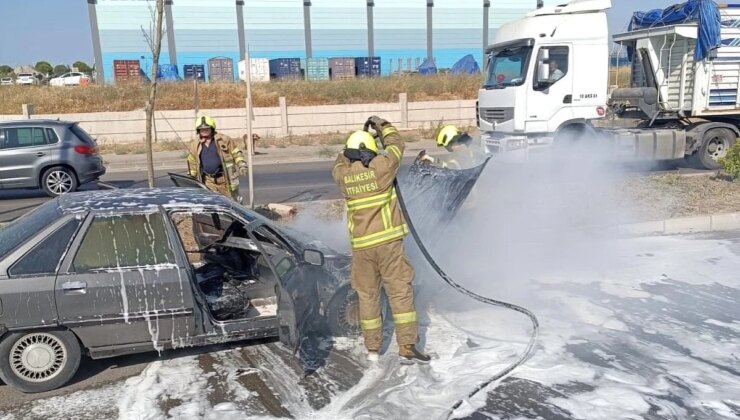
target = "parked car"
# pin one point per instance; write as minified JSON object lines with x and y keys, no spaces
{"x":6,"y":81}
{"x":108,"y":273}
{"x":56,"y":156}
{"x":27,"y":79}
{"x":70,"y":79}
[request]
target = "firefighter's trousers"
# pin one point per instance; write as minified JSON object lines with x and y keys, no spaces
{"x":386,"y":265}
{"x":219,"y":185}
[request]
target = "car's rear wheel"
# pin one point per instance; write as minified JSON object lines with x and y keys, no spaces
{"x":58,"y":180}
{"x":39,"y":361}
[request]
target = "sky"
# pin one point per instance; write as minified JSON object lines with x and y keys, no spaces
{"x":58,"y":31}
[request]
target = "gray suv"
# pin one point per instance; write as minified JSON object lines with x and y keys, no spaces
{"x":56,"y":156}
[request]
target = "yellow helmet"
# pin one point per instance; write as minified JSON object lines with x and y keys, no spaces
{"x":359,"y":138}
{"x":447,"y":135}
{"x":205,"y":122}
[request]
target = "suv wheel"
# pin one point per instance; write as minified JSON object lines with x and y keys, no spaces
{"x":39,"y":361}
{"x":58,"y":180}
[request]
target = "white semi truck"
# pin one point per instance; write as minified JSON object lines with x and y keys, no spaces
{"x":547,"y":79}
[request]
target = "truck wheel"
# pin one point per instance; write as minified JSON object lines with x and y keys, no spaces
{"x":58,"y":180}
{"x":714,"y":145}
{"x":39,"y":361}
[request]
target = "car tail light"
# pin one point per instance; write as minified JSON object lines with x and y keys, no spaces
{"x":86,"y":150}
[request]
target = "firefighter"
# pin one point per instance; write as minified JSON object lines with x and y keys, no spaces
{"x":466,"y":152}
{"x":376,"y":227}
{"x":215,"y":160}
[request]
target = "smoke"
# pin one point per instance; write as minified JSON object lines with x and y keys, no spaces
{"x":551,"y":216}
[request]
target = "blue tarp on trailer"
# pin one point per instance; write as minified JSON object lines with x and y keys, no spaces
{"x":704,"y":12}
{"x":428,"y":67}
{"x":167,"y":72}
{"x":466,"y":65}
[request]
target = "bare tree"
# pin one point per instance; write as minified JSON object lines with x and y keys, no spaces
{"x":154,"y":39}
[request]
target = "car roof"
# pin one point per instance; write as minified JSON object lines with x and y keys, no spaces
{"x":138,"y":199}
{"x":24,"y":123}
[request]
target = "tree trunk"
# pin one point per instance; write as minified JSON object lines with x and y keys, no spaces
{"x":150,"y":103}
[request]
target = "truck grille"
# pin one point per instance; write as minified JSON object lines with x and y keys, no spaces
{"x":497,"y":115}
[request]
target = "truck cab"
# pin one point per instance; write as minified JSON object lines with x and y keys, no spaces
{"x":546,"y":74}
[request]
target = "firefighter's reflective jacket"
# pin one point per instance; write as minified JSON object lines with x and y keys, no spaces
{"x":373,"y":215}
{"x":231,"y":159}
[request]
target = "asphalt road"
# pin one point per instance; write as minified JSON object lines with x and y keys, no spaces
{"x":273,"y":184}
{"x":280,"y":183}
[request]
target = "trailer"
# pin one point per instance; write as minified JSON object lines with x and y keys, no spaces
{"x":547,"y":82}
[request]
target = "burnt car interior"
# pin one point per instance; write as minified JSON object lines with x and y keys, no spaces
{"x":230,"y":270}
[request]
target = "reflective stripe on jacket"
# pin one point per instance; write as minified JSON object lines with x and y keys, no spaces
{"x":373,"y":215}
{"x":231,"y":159}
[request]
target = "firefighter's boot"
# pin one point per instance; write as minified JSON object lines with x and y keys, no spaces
{"x":409,"y":354}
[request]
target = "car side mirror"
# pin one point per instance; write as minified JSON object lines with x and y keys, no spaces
{"x":543,"y":73}
{"x":313,"y":257}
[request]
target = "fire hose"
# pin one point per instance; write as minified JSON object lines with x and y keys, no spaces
{"x":447,"y":279}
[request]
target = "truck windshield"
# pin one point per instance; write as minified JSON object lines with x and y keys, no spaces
{"x":508,"y":67}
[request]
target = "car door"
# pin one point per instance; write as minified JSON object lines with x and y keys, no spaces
{"x":297,"y":295}
{"x":124,"y":286}
{"x":27,"y":275}
{"x":22,"y":152}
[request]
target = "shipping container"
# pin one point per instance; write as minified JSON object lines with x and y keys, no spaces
{"x":341,"y":68}
{"x":367,"y":66}
{"x":286,"y":68}
{"x":316,"y":69}
{"x":126,"y":70}
{"x":194,"y":71}
{"x":260,"y":70}
{"x":221,"y":69}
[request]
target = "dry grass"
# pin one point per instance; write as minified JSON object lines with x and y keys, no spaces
{"x":179,"y":96}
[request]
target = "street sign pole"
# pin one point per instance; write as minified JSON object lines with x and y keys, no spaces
{"x":250,"y":117}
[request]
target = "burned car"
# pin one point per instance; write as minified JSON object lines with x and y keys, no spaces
{"x":108,"y":273}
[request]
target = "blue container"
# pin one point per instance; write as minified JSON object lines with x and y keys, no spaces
{"x":194,"y":71}
{"x":167,"y":72}
{"x":286,"y":68}
{"x":367,"y":66}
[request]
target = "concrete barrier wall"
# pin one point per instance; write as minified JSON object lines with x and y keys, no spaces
{"x":128,"y":127}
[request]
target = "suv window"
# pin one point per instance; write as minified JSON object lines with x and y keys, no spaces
{"x":23,"y":137}
{"x":45,"y":257}
{"x":121,"y":241}
{"x":82,"y":134}
{"x":18,"y":231}
{"x":51,"y":136}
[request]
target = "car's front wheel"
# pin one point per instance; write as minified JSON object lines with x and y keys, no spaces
{"x":39,"y":361}
{"x":58,"y":180}
{"x":343,"y":312}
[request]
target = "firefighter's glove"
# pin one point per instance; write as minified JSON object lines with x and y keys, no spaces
{"x":243,"y":170}
{"x":377,"y":123}
{"x":424,"y":159}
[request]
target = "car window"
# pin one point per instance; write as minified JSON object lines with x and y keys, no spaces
{"x":23,"y":137}
{"x":51,"y":136}
{"x":45,"y":257}
{"x":124,"y":241}
{"x":20,"y":230}
{"x":82,"y":134}
{"x":281,"y":254}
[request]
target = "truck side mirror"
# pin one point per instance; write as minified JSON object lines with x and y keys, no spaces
{"x":543,"y":68}
{"x":543,"y":73}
